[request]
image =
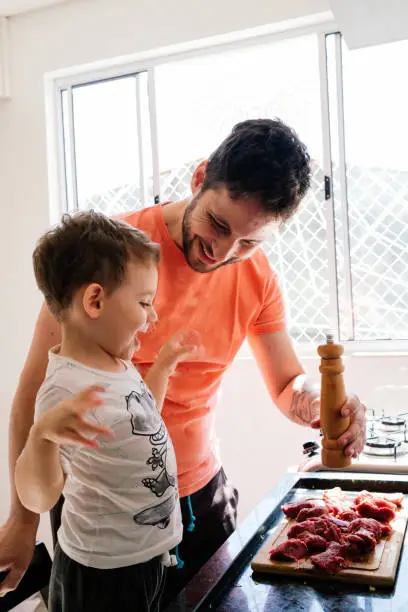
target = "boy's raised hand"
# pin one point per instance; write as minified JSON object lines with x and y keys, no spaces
{"x":181,"y":346}
{"x":66,"y":423}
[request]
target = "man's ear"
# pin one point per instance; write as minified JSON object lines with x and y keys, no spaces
{"x":93,"y":300}
{"x":198,"y":177}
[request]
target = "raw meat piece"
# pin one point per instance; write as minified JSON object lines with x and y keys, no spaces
{"x":378,"y":499}
{"x":386,"y":530}
{"x":331,"y":533}
{"x":291,"y":509}
{"x":299,"y":528}
{"x":383,"y":503}
{"x":361,"y":543}
{"x":313,"y":542}
{"x":378,"y":529}
{"x":391,"y":498}
{"x":348,"y":515}
{"x":375,"y":506}
{"x":375,"y":527}
{"x":372,"y":510}
{"x":321,"y":526}
{"x":362,"y":496}
{"x":335,"y":494}
{"x":308,"y":513}
{"x":336,"y":501}
{"x":325,"y":528}
{"x":290,"y":550}
{"x":331,"y":560}
{"x":395,"y":498}
{"x":342,"y":525}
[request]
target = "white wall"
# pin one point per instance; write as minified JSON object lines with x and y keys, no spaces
{"x":261,"y":444}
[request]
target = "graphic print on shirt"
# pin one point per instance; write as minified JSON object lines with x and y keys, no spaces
{"x":146,"y":421}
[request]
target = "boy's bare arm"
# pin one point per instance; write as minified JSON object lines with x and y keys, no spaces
{"x":157,"y":379}
{"x":39,"y":475}
{"x":178,"y":348}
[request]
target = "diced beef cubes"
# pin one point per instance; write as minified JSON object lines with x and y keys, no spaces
{"x":292,"y":509}
{"x":290,"y":550}
{"x":370,"y":524}
{"x":338,"y":530}
{"x":331,"y":560}
{"x":307,"y":513}
{"x":314,"y":543}
{"x":371,"y":509}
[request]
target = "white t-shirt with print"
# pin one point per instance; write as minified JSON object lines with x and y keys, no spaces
{"x":121,"y":500}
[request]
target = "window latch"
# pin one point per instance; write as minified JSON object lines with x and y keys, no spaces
{"x":327,"y":188}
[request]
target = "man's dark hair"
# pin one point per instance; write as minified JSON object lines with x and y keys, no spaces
{"x":87,"y":247}
{"x":263,"y":159}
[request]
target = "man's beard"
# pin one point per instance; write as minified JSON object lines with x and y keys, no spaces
{"x":189,"y":240}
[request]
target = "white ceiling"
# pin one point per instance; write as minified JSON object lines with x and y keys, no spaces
{"x":371,"y":22}
{"x":13,"y":7}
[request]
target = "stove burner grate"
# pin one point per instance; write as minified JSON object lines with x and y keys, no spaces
{"x":381,"y":442}
{"x":397,"y":421}
{"x":383,"y":446}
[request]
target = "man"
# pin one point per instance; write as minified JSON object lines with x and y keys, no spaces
{"x":215,"y":280}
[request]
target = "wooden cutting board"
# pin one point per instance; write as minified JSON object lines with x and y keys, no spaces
{"x":379,"y":569}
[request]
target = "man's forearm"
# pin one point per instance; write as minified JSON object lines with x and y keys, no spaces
{"x":299,"y":401}
{"x":21,"y":420}
{"x":46,"y":335}
{"x":39,"y":476}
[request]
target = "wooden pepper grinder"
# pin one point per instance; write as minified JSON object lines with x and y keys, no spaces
{"x":332,"y":398}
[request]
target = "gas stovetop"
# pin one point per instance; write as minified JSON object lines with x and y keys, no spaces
{"x":386,"y":435}
{"x":386,"y":448}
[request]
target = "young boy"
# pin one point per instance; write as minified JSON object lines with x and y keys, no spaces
{"x":106,"y":447}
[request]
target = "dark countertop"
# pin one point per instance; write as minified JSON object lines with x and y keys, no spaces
{"x":227,"y":583}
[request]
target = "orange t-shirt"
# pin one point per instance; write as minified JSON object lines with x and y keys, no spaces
{"x":223,"y":306}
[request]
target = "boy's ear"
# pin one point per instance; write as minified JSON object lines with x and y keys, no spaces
{"x":93,"y":300}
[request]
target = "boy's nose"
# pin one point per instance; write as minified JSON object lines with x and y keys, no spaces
{"x":152,"y":315}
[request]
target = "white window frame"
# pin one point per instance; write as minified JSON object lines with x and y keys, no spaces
{"x":320,"y":24}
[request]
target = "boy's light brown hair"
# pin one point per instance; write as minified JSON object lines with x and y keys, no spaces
{"x":87,"y":247}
